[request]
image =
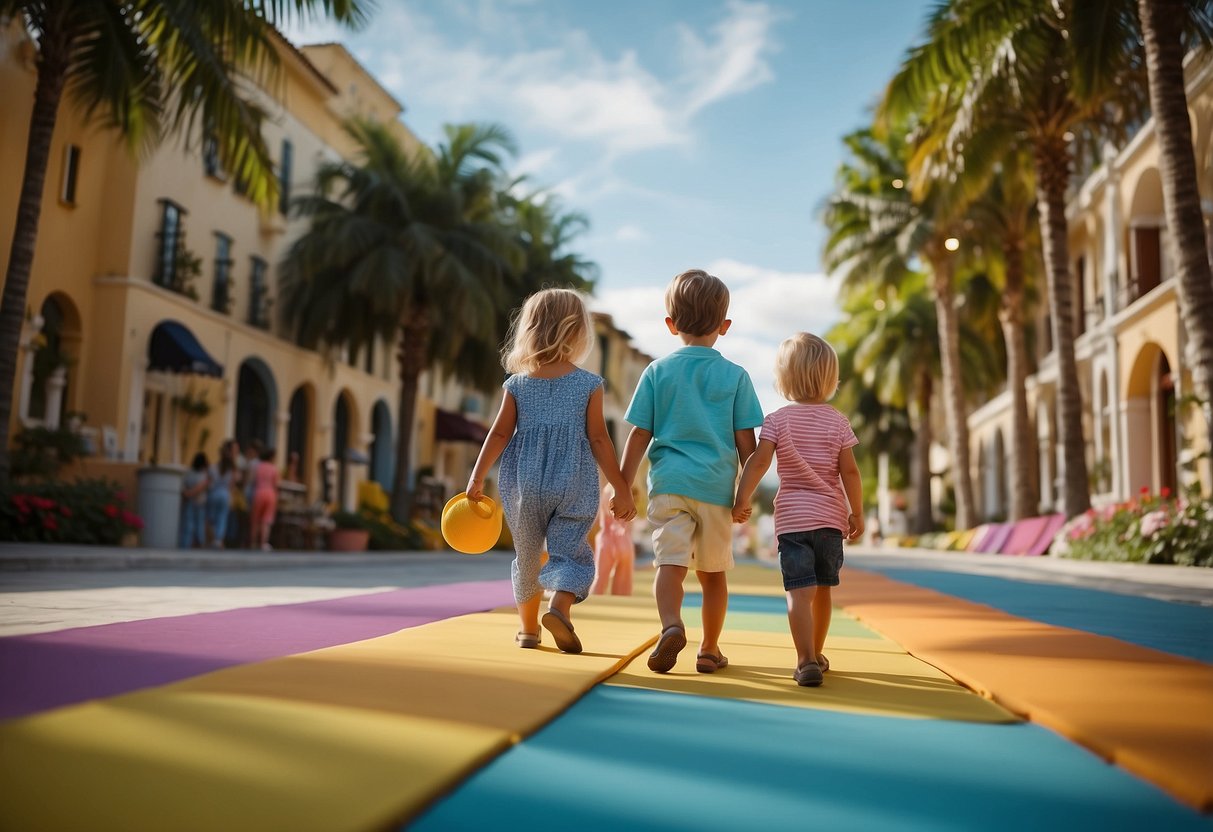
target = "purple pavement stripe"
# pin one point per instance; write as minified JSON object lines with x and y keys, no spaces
{"x":49,"y":670}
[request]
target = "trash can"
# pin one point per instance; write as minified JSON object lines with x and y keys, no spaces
{"x":160,"y":505}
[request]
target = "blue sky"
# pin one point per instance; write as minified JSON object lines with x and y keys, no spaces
{"x":691,"y":133}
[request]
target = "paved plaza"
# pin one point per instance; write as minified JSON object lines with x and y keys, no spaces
{"x":303,"y":691}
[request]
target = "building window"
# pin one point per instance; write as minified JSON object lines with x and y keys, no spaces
{"x":211,"y":165}
{"x":71,"y":173}
{"x":1146,"y":260}
{"x":259,"y":300}
{"x":221,"y":298}
{"x":170,"y":236}
{"x":284,"y":178}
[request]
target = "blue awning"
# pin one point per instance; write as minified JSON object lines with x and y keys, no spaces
{"x":174,"y":349}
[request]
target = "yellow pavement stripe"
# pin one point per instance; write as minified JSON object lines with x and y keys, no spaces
{"x":867,"y":675}
{"x":347,"y":738}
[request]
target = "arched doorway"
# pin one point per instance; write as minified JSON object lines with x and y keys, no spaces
{"x":57,"y":347}
{"x":299,"y":430}
{"x":256,"y":403}
{"x":1150,"y":445}
{"x":1167,"y":461}
{"x":344,"y":419}
{"x":1147,"y":243}
{"x":382,"y":461}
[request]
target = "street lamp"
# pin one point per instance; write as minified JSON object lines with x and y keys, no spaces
{"x":951,"y":244}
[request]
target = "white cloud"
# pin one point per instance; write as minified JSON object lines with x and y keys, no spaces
{"x":735,"y":62}
{"x":766,"y":306}
{"x":571,"y":90}
{"x":631,"y":234}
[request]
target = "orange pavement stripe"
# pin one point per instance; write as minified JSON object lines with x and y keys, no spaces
{"x":1148,"y":711}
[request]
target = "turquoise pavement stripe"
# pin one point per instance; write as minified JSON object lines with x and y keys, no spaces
{"x":1182,"y":629}
{"x":645,"y":760}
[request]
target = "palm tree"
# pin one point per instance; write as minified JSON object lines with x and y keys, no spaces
{"x":875,"y":230}
{"x":1002,"y":226}
{"x":893,"y":353}
{"x":1010,"y":67}
{"x":145,"y":68}
{"x":394,"y":249}
{"x":1163,"y":24}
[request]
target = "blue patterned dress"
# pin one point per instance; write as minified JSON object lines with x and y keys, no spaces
{"x":549,"y":484}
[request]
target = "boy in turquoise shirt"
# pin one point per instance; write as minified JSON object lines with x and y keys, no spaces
{"x":698,"y":411}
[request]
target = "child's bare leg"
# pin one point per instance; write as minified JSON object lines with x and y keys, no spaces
{"x":715,"y":605}
{"x":528,"y":614}
{"x":562,"y":602}
{"x":667,"y":590}
{"x":801,"y":603}
{"x":823,"y":606}
{"x":621,"y":583}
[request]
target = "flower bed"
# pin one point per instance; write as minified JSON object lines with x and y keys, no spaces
{"x":1150,"y":528}
{"x":84,"y":511}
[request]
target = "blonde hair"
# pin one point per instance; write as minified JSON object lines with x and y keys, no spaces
{"x":697,"y":302}
{"x":553,"y":325}
{"x":806,"y":369}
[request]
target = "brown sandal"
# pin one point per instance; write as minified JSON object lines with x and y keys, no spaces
{"x":665,"y":654}
{"x":528,"y":641}
{"x":556,"y":623}
{"x":707,"y":663}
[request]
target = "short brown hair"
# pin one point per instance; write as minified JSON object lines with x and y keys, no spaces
{"x":806,"y":369}
{"x":697,"y":302}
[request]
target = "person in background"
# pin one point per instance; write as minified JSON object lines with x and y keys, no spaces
{"x":193,"y":505}
{"x":219,"y":492}
{"x":614,"y":550}
{"x":248,"y":484}
{"x":265,"y":499}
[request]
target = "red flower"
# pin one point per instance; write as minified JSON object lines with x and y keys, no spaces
{"x":1145,"y":489}
{"x":65,"y":511}
{"x":111,"y":511}
{"x":131,"y":519}
{"x":50,"y":523}
{"x":1164,"y":492}
{"x":42,"y":503}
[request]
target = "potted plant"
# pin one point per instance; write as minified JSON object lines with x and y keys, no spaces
{"x":350,"y":532}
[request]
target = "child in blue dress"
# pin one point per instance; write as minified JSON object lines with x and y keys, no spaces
{"x":552,"y":431}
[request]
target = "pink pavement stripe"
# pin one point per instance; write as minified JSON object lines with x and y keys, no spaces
{"x":49,"y":670}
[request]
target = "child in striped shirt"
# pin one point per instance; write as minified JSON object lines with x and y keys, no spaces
{"x":820,"y":499}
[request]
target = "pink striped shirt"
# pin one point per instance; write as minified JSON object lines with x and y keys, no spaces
{"x":808,"y":439}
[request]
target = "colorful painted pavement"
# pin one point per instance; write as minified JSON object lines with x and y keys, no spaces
{"x":951,"y":703}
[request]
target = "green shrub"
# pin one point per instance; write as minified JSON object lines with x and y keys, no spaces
{"x":84,"y":511}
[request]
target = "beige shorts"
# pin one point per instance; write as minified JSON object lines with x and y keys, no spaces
{"x":691,"y":533}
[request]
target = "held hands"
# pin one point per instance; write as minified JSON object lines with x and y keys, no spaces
{"x":854,"y":527}
{"x":622,"y":505}
{"x":742,"y":511}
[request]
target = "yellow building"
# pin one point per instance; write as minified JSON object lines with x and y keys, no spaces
{"x":1139,"y":431}
{"x":154,"y":280}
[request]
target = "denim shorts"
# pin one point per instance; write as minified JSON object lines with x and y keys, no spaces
{"x":810,"y":558}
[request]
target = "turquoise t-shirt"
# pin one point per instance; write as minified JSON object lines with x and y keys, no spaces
{"x":692,"y":401}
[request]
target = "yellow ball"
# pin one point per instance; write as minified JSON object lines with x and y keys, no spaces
{"x":471,"y":527}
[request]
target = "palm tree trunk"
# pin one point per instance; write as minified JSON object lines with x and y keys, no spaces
{"x":1161,"y":22}
{"x":414,"y":347}
{"x":920,"y":470}
{"x":1052,"y":157}
{"x":53,"y":60}
{"x":1011,"y":315}
{"x":953,"y":389}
